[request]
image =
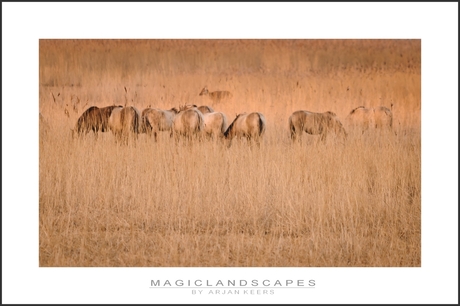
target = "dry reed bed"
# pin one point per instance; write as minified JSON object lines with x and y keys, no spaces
{"x":162,"y":204}
{"x":203,"y":204}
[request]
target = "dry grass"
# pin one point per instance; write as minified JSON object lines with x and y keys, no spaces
{"x":287,"y":205}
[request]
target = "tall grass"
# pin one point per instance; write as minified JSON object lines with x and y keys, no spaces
{"x":203,"y":204}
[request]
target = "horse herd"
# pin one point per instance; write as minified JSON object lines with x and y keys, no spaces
{"x":188,"y":121}
{"x":191,"y":121}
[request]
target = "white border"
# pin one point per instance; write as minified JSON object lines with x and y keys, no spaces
{"x":435,"y":23}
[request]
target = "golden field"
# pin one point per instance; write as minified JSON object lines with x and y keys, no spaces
{"x":147,"y":204}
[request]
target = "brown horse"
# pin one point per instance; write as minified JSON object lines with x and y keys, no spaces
{"x":250,"y":126}
{"x":314,"y":124}
{"x":215,"y":124}
{"x":188,"y":123}
{"x":93,"y":119}
{"x":156,"y":120}
{"x":124,"y":122}
{"x":90,"y":120}
{"x":365,"y":118}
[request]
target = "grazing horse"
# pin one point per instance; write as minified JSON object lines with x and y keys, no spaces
{"x":366,"y":118}
{"x":314,"y":124}
{"x":90,"y":120}
{"x":93,"y":119}
{"x":251,"y":126}
{"x":124,"y":122}
{"x":216,"y":96}
{"x":215,"y":124}
{"x":156,"y":120}
{"x":188,"y":122}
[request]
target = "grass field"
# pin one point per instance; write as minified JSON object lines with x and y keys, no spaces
{"x":352,"y":204}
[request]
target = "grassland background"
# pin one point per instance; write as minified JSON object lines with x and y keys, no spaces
{"x":158,"y":204}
